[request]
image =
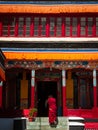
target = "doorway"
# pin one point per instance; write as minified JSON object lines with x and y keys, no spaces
{"x":86,"y":93}
{"x":44,"y":88}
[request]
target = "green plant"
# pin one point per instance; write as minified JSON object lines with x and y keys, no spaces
{"x":33,"y":112}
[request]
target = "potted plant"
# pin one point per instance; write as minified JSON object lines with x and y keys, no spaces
{"x":32,"y":114}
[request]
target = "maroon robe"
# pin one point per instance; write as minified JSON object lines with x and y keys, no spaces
{"x":52,"y":109}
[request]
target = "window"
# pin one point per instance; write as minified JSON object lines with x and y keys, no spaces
{"x":67,"y":26}
{"x":43,"y":26}
{"x":52,"y":26}
{"x":21,"y":26}
{"x":59,"y":27}
{"x":96,"y":26}
{"x":36,"y":26}
{"x":74,"y":26}
{"x":12,"y":26}
{"x":82,"y":26}
{"x":49,"y":26}
{"x":90,"y":26}
{"x":5,"y":28}
{"x":28,"y":23}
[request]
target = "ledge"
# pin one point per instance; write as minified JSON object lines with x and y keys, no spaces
{"x":48,"y":40}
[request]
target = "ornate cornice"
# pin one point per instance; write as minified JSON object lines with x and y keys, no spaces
{"x":51,"y":64}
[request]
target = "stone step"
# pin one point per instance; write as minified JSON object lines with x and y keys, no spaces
{"x":61,"y":120}
{"x":49,"y":128}
{"x":41,"y":123}
{"x":45,"y":119}
{"x":76,"y":119}
{"x":76,"y":126}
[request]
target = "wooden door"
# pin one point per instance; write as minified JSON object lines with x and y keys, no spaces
{"x":85,"y":93}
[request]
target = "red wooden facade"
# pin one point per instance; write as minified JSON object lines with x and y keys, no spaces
{"x":73,"y":75}
{"x":68,"y":25}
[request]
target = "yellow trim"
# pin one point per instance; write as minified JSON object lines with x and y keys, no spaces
{"x":78,"y":8}
{"x":50,"y":56}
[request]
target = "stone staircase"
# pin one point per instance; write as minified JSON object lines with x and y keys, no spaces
{"x":41,"y":123}
{"x":76,"y":123}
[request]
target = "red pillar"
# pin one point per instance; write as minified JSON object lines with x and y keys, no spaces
{"x":64,"y":92}
{"x":1,"y":84}
{"x":32,"y":87}
{"x":95,"y":88}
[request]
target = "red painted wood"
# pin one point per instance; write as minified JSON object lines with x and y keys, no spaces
{"x":39,"y":27}
{"x":55,"y":20}
{"x":86,"y":28}
{"x":32,"y":96}
{"x":47,"y":27}
{"x":71,"y":27}
{"x":48,"y":24}
{"x":24,"y":28}
{"x":0,"y":28}
{"x":91,"y":125}
{"x":32,"y":27}
{"x":95,"y":96}
{"x":0,"y":96}
{"x":63,"y":27}
{"x":16,"y":27}
{"x":94,"y":27}
{"x":85,"y":113}
{"x":8,"y":29}
{"x":64,"y":101}
{"x":78,"y":28}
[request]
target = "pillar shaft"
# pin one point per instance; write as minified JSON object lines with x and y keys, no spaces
{"x":32,"y":87}
{"x":64,"y":91}
{"x":95,"y":88}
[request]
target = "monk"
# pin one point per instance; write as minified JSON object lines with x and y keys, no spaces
{"x":52,"y":111}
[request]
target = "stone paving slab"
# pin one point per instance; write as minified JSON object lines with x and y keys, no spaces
{"x":41,"y":123}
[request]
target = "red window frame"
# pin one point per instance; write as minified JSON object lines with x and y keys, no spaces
{"x":63,"y":27}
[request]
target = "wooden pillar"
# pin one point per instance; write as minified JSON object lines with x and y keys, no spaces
{"x":32,"y":87}
{"x":64,"y":92}
{"x":95,"y":88}
{"x":1,"y":85}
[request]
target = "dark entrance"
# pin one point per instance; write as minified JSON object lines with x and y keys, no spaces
{"x":44,"y":88}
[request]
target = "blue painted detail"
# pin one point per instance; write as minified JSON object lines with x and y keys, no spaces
{"x":84,"y":62}
{"x":57,"y":62}
{"x":49,"y":2}
{"x":38,"y":62}
{"x":49,"y":50}
{"x":10,"y":62}
{"x":59,"y":111}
